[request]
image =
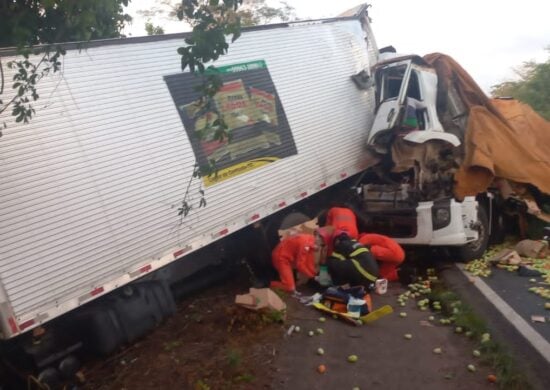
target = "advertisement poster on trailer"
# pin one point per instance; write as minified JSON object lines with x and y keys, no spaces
{"x":248,"y":103}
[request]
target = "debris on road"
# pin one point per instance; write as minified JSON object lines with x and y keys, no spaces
{"x":261,"y":298}
{"x":532,"y":248}
{"x":353,"y":358}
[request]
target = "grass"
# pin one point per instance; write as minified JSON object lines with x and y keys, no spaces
{"x":244,"y":378}
{"x":495,"y":355}
{"x":234,"y":358}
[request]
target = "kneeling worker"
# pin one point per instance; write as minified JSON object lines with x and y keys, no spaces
{"x":387,"y":252}
{"x":351,"y":263}
{"x":294,"y":252}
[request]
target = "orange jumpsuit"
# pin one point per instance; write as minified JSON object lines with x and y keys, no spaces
{"x":343,"y":219}
{"x":297,"y":252}
{"x":385,"y":250}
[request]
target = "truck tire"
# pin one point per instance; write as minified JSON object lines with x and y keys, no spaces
{"x":475,"y":249}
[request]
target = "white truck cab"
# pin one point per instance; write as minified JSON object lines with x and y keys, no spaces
{"x":411,"y":199}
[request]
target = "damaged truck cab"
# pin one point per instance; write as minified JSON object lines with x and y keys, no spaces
{"x":409,"y":191}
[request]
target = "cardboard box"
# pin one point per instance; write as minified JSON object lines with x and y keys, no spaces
{"x":506,"y":256}
{"x":260,"y":298}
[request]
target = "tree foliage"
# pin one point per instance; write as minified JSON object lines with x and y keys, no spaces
{"x":532,"y":86}
{"x":250,"y":13}
{"x":151,"y":29}
{"x":28,"y":23}
{"x":257,"y":12}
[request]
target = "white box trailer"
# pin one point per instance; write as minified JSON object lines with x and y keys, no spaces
{"x":89,"y":189}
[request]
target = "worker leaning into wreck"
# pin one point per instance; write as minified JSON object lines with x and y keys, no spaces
{"x":351,"y":257}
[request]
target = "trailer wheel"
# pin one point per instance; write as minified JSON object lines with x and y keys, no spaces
{"x":475,"y":249}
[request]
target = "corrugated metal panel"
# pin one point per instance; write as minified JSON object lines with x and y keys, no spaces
{"x":90,"y":188}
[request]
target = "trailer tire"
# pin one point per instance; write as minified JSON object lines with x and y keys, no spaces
{"x":475,"y":249}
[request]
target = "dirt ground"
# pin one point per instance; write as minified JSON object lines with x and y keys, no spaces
{"x":208,"y":344}
{"x":211,"y":344}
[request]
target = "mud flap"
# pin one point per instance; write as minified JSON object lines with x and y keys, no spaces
{"x":366,"y":319}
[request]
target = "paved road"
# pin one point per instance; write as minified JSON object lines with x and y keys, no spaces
{"x":386,"y":359}
{"x":506,"y":305}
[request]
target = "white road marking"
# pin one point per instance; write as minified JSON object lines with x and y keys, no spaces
{"x":537,"y":341}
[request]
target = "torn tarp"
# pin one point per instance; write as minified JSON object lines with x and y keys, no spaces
{"x":502,"y":137}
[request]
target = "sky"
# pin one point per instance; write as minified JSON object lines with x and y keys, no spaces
{"x":487,"y":37}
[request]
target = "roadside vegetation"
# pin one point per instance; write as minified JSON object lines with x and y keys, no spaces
{"x":431,"y":293}
{"x":532,"y":86}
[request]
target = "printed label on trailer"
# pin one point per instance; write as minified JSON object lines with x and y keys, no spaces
{"x":250,"y":107}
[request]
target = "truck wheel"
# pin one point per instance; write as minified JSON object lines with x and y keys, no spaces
{"x":475,"y":249}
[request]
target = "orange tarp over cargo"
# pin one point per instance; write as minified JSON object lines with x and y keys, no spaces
{"x":504,"y":138}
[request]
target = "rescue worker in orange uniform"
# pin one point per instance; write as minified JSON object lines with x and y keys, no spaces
{"x":343,"y":219}
{"x":387,"y":252}
{"x":294,"y":252}
{"x":384,"y":249}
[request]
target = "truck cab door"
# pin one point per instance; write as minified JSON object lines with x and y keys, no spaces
{"x":392,"y":82}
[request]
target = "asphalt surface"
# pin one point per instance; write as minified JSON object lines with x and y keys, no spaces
{"x":386,"y":360}
{"x":514,"y":290}
{"x":507,"y":331}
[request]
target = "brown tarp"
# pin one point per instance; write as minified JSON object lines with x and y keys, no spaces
{"x":504,"y":138}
